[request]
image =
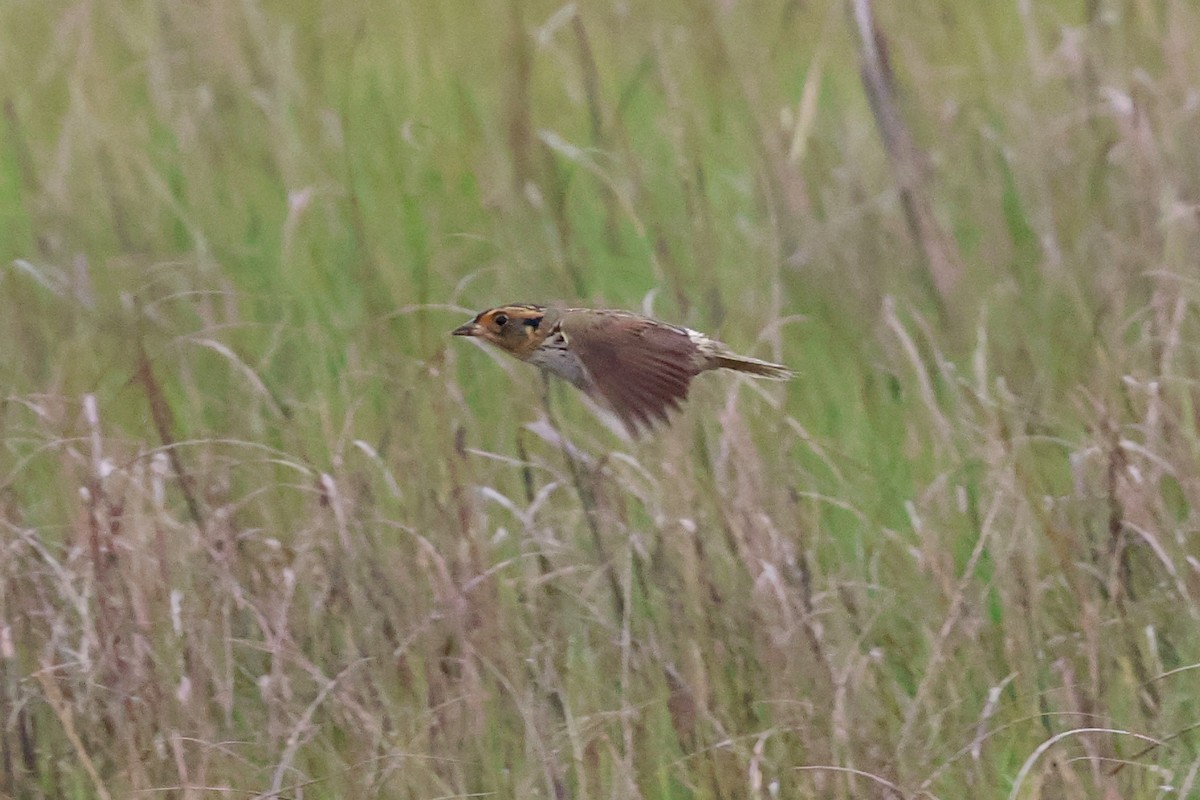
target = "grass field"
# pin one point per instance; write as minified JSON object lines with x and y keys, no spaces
{"x":266,"y":530}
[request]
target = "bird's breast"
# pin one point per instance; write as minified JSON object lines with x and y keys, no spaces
{"x":556,"y":357}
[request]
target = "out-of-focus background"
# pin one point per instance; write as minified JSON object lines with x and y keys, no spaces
{"x":267,"y":531}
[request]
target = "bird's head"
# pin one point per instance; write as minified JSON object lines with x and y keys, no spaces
{"x":515,"y":329}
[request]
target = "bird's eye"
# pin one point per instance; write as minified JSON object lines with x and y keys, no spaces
{"x":500,"y":319}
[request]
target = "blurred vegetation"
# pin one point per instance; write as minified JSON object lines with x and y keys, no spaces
{"x":267,"y":531}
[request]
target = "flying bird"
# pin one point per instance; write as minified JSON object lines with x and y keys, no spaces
{"x":638,"y":367}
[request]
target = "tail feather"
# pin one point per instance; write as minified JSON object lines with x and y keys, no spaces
{"x":756,"y":367}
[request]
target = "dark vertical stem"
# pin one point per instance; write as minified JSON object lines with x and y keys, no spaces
{"x":587,"y":500}
{"x":908,"y":162}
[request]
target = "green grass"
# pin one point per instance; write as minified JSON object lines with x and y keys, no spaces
{"x":267,"y":530}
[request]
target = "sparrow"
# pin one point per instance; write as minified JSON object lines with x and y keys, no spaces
{"x":638,"y":367}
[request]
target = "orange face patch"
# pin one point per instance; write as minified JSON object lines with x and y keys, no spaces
{"x":514,"y":329}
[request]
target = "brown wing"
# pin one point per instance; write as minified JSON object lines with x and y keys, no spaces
{"x":639,"y":368}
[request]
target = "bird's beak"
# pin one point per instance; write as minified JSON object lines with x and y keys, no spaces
{"x":470,"y":329}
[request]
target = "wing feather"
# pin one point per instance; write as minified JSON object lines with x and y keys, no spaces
{"x":639,"y":368}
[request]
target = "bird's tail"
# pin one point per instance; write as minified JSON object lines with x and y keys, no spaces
{"x":754,"y":366}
